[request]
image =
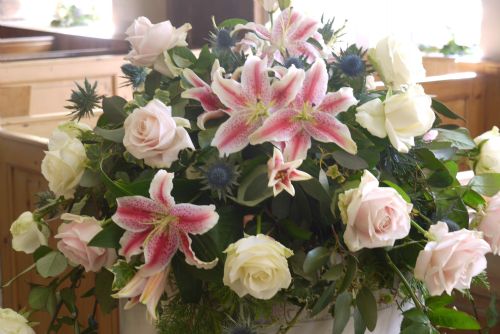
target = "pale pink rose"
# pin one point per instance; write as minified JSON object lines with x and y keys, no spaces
{"x":431,"y":136}
{"x":150,"y":41}
{"x":451,"y":260}
{"x":75,"y":237}
{"x":375,"y":216}
{"x":152,"y":134}
{"x":490,"y":224}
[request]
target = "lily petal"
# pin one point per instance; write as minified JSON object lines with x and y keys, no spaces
{"x":305,"y":28}
{"x":285,"y":90}
{"x":297,"y":147}
{"x":327,"y":129}
{"x":132,"y":243}
{"x":255,"y":80}
{"x":229,"y":91}
{"x":193,"y":79}
{"x":160,"y":188}
{"x":191,"y":258}
{"x":208,"y":115}
{"x":195,"y":219}
{"x":315,"y":83}
{"x":159,"y":249}
{"x":280,"y":126}
{"x":340,"y":101}
{"x":153,"y":290}
{"x":233,"y":135}
{"x":208,"y":100}
{"x":134,"y":213}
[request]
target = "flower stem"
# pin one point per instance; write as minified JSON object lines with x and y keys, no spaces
{"x":421,"y":230}
{"x":413,"y":296}
{"x":292,"y":322}
{"x":259,"y":224}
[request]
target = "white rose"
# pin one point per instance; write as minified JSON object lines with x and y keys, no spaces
{"x":64,"y":162}
{"x":451,"y":260}
{"x":12,"y":322}
{"x":65,"y":131}
{"x":489,"y":224}
{"x":269,"y":5}
{"x":258,"y":266}
{"x":401,"y":116}
{"x":151,"y":41}
{"x":397,"y":61}
{"x":374,"y":216}
{"x":27,"y":235}
{"x":489,"y":156}
{"x":152,"y":134}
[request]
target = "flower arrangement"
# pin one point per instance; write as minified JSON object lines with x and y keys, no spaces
{"x":266,"y":171}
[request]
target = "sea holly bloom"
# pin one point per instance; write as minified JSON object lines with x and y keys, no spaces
{"x":289,"y":36}
{"x":159,"y":227}
{"x":203,"y":93}
{"x":144,"y":289}
{"x":250,"y":101}
{"x":281,"y":173}
{"x":311,"y":115}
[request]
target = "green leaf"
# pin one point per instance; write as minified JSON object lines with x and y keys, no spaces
{"x":182,"y":56}
{"x":38,"y":297}
{"x":189,"y":286}
{"x":103,"y":291}
{"x":486,"y":184}
{"x":349,"y":161}
{"x":205,"y":137}
{"x":253,"y":188}
{"x":334,"y":273}
{"x":113,"y":110}
{"x":313,"y":188}
{"x":399,"y":190}
{"x":152,"y":83}
{"x":205,"y":60}
{"x":350,"y":273}
{"x":473,"y":199}
{"x":41,"y":252}
{"x":123,"y":272}
{"x":438,"y":301}
{"x":367,"y":306}
{"x":417,"y":328}
{"x":69,"y":299}
{"x":492,"y":312}
{"x":52,"y":264}
{"x":114,"y":135}
{"x":109,"y":237}
{"x":451,"y":318}
{"x":324,"y":300}
{"x":342,"y":312}
{"x":442,"y":109}
{"x":231,"y":23}
{"x":459,"y":138}
{"x":295,"y":231}
{"x":359,"y":324}
{"x":315,"y":259}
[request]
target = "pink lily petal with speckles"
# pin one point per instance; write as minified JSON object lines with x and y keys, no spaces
{"x":280,"y":126}
{"x":296,"y":148}
{"x":159,"y":249}
{"x":233,"y":135}
{"x":315,"y":84}
{"x":135,"y":213}
{"x":185,"y":247}
{"x":255,"y":80}
{"x":229,"y":91}
{"x":337,"y":102}
{"x":284,"y":91}
{"x":326,"y":128}
{"x":153,"y":290}
{"x":160,"y":188}
{"x":132,"y":243}
{"x":195,"y":219}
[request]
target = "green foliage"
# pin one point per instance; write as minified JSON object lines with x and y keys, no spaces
{"x":342,"y":312}
{"x":103,"y":291}
{"x":52,"y":264}
{"x":109,"y":237}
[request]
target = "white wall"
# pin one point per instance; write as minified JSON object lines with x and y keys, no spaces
{"x":125,"y":11}
{"x":490,"y":38}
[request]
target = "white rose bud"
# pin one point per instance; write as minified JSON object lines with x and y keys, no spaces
{"x":12,"y":322}
{"x":269,"y":5}
{"x":401,"y":116}
{"x":374,"y":216}
{"x":152,"y":134}
{"x":151,"y":41}
{"x":27,"y":234}
{"x":489,"y":156}
{"x":258,"y":266}
{"x":451,"y":260}
{"x":397,"y":61}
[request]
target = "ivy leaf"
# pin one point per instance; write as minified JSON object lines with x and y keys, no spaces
{"x":103,"y":284}
{"x":109,"y":237}
{"x":342,"y":312}
{"x":123,"y":272}
{"x":315,"y":259}
{"x":367,"y":306}
{"x":52,"y":264}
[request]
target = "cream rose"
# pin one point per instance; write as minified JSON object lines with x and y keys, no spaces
{"x":151,"y":41}
{"x":64,"y":162}
{"x":374,"y":216}
{"x":397,"y":61}
{"x":152,"y":134}
{"x":269,"y":5}
{"x":12,"y":322}
{"x":258,"y":266}
{"x":401,"y":117}
{"x":27,"y":234}
{"x":489,"y":156}
{"x":489,"y":224}
{"x":451,"y":260}
{"x":74,"y":238}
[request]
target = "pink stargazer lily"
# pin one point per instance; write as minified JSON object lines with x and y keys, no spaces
{"x":144,"y":289}
{"x":311,"y":115}
{"x":281,"y":173}
{"x":251,"y":101}
{"x":289,"y":36}
{"x":203,"y":93}
{"x":159,"y":227}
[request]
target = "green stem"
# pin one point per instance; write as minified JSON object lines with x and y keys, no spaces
{"x":421,"y":229}
{"x":259,"y":224}
{"x":417,"y":302}
{"x":271,"y":19}
{"x":19,"y":275}
{"x":292,"y":322}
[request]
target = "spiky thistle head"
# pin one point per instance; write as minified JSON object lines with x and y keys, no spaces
{"x":135,"y":76}
{"x":298,"y":62}
{"x":220,"y":176}
{"x":351,"y":62}
{"x":84,"y":100}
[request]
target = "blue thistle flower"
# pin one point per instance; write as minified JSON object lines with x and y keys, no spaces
{"x":294,"y":61}
{"x":223,"y":39}
{"x":352,"y":65}
{"x":220,"y":177}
